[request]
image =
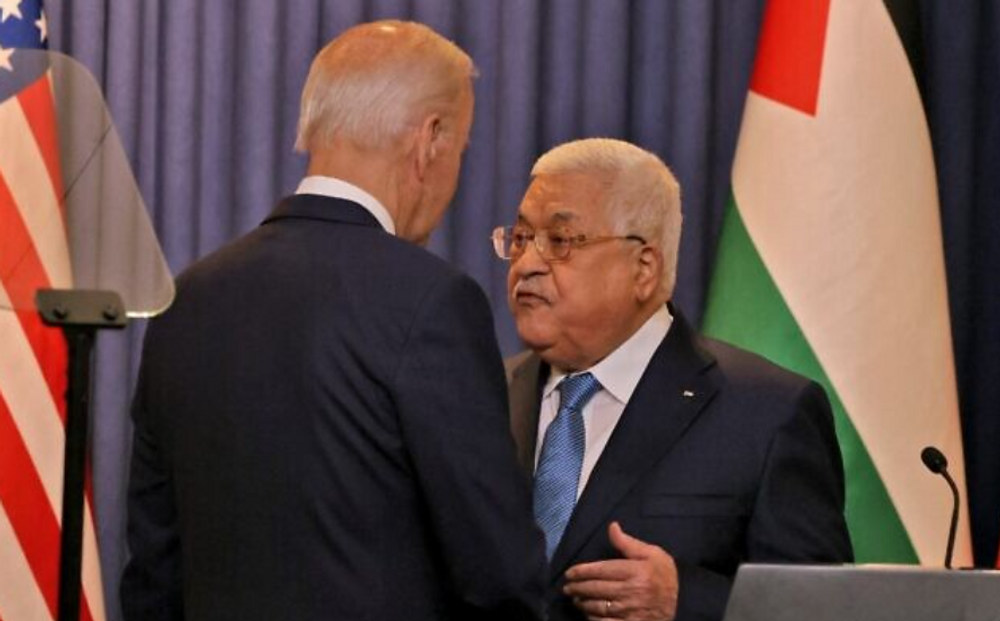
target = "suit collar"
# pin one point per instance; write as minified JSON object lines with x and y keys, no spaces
{"x":338,"y":188}
{"x":620,"y":371}
{"x":322,"y":208}
{"x":673,"y":390}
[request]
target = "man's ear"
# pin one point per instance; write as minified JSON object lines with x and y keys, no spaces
{"x":428,"y":137}
{"x":648,"y":272}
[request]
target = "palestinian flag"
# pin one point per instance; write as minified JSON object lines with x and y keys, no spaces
{"x":831,"y":262}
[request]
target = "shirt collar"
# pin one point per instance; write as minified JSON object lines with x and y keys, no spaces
{"x":620,"y":371}
{"x":338,"y":188}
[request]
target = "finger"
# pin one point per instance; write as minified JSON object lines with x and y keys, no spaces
{"x":599,"y":609}
{"x":594,"y":589}
{"x":629,"y":546}
{"x":617,"y":569}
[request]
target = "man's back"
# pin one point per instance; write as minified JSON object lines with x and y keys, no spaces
{"x":321,"y":422}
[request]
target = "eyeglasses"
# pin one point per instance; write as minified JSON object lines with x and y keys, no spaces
{"x":510,"y":242}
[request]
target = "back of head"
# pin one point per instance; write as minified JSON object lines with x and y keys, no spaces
{"x":376,"y":80}
{"x":643,"y":196}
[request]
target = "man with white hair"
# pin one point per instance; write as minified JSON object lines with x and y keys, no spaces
{"x":321,"y":427}
{"x":661,"y":459}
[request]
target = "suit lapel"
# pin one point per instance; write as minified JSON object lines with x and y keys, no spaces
{"x":524,"y":386}
{"x":672,"y":392}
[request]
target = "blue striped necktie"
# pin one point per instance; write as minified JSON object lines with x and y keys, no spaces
{"x":558,"y":474}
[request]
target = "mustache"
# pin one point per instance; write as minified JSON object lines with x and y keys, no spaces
{"x":528,"y":287}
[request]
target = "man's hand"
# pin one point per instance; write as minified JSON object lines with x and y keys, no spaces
{"x":640,"y":587}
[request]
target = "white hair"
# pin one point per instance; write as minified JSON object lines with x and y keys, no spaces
{"x":643,"y":196}
{"x":377,"y":80}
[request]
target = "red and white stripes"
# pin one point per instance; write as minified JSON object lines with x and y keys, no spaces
{"x":33,"y":254}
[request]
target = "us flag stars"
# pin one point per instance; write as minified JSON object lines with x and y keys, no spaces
{"x":22,"y":25}
{"x":10,"y":8}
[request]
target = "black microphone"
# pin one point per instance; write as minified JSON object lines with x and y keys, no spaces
{"x":937,"y":463}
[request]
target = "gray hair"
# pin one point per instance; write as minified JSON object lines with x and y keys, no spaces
{"x":376,"y":80}
{"x":643,"y":196}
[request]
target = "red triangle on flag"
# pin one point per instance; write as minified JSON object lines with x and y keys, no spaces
{"x":790,"y":53}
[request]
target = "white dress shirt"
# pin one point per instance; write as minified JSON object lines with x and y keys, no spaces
{"x":337,"y":188}
{"x":619,"y":373}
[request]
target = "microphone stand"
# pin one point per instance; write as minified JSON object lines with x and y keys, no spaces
{"x":937,"y":463}
{"x":954,"y":518}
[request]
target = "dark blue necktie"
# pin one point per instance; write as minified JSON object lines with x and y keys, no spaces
{"x":558,"y":474}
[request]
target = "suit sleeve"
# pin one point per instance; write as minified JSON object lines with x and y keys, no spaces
{"x":798,"y":513}
{"x":452,"y":401}
{"x":151,"y":583}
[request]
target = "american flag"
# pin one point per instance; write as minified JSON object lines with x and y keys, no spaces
{"x":33,"y":357}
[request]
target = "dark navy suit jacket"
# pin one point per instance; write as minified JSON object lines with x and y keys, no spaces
{"x":321,"y":432}
{"x":720,"y":458}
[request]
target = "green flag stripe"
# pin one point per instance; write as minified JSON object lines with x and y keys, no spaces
{"x":745,"y":308}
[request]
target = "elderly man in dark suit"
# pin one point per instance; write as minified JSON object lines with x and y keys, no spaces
{"x":321,"y":426}
{"x":661,"y":459}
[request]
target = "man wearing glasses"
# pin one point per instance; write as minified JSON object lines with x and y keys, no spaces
{"x":661,"y":459}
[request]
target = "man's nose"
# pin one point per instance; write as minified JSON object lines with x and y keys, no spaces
{"x":529,"y":263}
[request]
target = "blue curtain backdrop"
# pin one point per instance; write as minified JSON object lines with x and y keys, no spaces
{"x":205,"y":97}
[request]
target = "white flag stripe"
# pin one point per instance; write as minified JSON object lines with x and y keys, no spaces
{"x":20,"y":597}
{"x":31,"y":186}
{"x":31,"y":405}
{"x":93,"y":587}
{"x":843,"y":210}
